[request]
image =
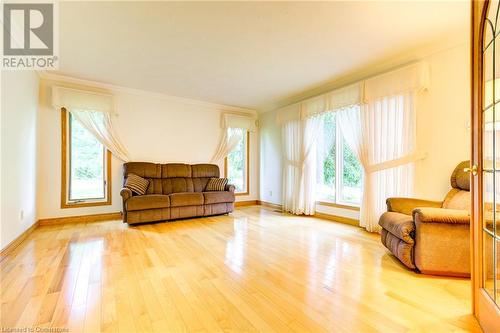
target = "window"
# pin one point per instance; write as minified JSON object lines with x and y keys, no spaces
{"x":339,"y":176}
{"x":86,"y":166}
{"x":236,"y":164}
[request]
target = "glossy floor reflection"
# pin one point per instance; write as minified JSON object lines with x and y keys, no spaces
{"x":255,"y":270}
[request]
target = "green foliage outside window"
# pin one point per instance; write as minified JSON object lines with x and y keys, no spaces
{"x":87,"y":164}
{"x":352,"y":170}
{"x":87,"y":153}
{"x":329,"y":132}
{"x":236,"y":161}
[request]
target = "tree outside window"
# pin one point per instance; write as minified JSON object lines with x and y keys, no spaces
{"x":237,"y":165}
{"x":339,"y":173}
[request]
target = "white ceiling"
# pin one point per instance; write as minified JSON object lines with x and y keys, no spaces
{"x":247,"y":54}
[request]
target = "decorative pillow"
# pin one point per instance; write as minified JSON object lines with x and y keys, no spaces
{"x":216,"y":184}
{"x":137,"y":184}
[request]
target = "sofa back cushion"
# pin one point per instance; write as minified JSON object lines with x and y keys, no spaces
{"x":175,"y":170}
{"x":177,"y":185}
{"x":176,"y":178}
{"x":172,"y":177}
{"x":202,"y":174}
{"x":142,"y":169}
{"x":149,"y":171}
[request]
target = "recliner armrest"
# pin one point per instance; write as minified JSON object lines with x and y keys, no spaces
{"x":441,"y":215}
{"x":407,"y":205}
{"x":230,"y":188}
{"x":126,"y":193}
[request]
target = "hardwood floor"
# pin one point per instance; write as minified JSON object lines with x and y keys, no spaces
{"x":256,"y":270}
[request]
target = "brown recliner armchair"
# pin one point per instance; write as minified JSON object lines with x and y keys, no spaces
{"x":432,"y":236}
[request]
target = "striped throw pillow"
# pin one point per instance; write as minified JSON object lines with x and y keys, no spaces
{"x":137,"y":184}
{"x":216,"y":184}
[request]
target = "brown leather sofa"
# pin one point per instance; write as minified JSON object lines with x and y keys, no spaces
{"x":432,"y":237}
{"x":175,"y":191}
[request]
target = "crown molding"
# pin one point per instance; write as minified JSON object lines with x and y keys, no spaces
{"x":47,"y":76}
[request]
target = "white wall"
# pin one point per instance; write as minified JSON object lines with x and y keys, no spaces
{"x":271,"y":158}
{"x":152,"y":127}
{"x":442,"y":120}
{"x":19,"y":95}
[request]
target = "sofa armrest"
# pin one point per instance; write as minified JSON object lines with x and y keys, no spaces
{"x":441,"y":215}
{"x":126,"y":193}
{"x":230,"y":188}
{"x":407,"y":205}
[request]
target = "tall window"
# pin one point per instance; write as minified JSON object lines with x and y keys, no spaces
{"x":86,"y":166}
{"x":236,"y":164}
{"x":339,"y":176}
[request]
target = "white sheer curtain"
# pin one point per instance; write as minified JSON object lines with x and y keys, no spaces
{"x":377,"y":119}
{"x":100,"y":125}
{"x":382,"y":135}
{"x":234,"y":126}
{"x":94,"y":111}
{"x":228,"y":142}
{"x":299,"y":165}
{"x":301,"y":125}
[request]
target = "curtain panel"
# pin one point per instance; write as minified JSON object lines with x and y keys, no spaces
{"x":301,"y":123}
{"x":378,"y":120}
{"x":94,"y":111}
{"x":99,"y":124}
{"x":229,"y":141}
{"x":382,"y":134}
{"x":299,"y":165}
{"x":234,"y":126}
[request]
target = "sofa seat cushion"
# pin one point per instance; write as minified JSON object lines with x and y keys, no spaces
{"x":186,"y":199}
{"x":399,"y":225}
{"x":214,"y":197}
{"x":149,"y":201}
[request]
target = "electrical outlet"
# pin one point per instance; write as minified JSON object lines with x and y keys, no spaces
{"x":270,"y":193}
{"x":21,"y":215}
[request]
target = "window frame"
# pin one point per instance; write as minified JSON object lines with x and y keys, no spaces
{"x":339,"y":175}
{"x":65,"y":170}
{"x":247,"y":167}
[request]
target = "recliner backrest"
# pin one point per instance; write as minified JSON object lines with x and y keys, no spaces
{"x":459,"y":196}
{"x":460,"y":179}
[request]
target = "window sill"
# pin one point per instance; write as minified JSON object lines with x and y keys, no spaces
{"x":85,"y":204}
{"x":241,"y":193}
{"x":336,"y":205}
